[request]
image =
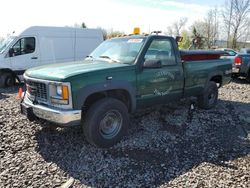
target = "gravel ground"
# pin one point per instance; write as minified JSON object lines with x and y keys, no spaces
{"x":168,"y":146}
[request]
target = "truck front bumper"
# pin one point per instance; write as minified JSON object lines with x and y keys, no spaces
{"x":54,"y":115}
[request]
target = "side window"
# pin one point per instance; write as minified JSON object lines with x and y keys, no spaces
{"x":24,"y":46}
{"x":161,"y":49}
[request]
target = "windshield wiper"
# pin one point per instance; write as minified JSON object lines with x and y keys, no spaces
{"x":107,"y":57}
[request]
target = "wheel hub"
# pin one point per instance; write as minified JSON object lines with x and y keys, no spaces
{"x":110,"y":124}
{"x":211,"y":98}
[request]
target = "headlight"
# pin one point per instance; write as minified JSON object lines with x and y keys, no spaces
{"x":59,"y":90}
{"x":60,"y":94}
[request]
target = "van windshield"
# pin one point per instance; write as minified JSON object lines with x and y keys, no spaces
{"x":5,"y":43}
{"x":119,"y":50}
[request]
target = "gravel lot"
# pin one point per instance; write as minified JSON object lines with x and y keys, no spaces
{"x":167,"y":146}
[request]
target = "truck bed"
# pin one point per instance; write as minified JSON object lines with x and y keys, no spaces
{"x":197,"y":55}
{"x":197,"y":73}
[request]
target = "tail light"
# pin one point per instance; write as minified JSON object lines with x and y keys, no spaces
{"x":237,"y":60}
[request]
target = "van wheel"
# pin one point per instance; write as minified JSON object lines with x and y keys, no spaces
{"x":106,"y":122}
{"x":209,"y":97}
{"x":7,"y":79}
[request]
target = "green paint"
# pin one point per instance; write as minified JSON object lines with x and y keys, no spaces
{"x":152,"y":85}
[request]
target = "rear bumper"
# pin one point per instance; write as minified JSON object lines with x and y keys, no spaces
{"x":54,"y":115}
{"x":235,"y":70}
{"x":241,"y":70}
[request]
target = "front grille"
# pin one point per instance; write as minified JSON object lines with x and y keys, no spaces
{"x":37,"y":90}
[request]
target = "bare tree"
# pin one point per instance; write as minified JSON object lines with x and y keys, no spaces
{"x":236,"y":18}
{"x":170,"y":30}
{"x":211,"y":25}
{"x":246,"y":34}
{"x":177,"y":26}
{"x":227,"y":17}
{"x":208,"y":28}
{"x":241,"y":19}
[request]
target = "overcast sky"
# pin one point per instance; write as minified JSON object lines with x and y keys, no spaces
{"x":122,"y":15}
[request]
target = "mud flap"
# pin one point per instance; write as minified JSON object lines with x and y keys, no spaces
{"x":28,"y":112}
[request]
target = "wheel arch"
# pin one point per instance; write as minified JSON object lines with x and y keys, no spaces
{"x":6,"y":70}
{"x":122,"y":91}
{"x":215,"y":77}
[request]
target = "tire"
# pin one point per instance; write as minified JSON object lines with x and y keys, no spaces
{"x":106,"y":122}
{"x":7,"y":80}
{"x":2,"y":80}
{"x":209,"y":98}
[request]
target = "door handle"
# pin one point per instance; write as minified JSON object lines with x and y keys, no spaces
{"x":34,"y":57}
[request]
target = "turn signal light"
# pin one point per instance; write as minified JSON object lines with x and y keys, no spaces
{"x":65,"y":92}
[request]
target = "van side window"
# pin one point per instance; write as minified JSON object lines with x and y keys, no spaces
{"x":24,"y":46}
{"x":161,"y":49}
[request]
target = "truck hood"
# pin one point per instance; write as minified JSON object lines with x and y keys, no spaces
{"x":61,"y":71}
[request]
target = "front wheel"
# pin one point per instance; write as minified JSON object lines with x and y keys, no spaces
{"x":7,"y":80}
{"x":106,"y":122}
{"x":209,"y":97}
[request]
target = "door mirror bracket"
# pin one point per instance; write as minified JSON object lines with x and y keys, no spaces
{"x":11,"y":52}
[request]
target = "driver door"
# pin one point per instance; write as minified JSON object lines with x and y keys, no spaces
{"x":162,"y":84}
{"x":24,"y":55}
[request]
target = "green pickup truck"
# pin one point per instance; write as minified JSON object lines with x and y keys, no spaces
{"x":119,"y":77}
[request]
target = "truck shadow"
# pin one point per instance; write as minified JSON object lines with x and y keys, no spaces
{"x":157,"y":149}
{"x":240,"y":80}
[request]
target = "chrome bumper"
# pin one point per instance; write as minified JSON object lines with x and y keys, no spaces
{"x":54,"y":115}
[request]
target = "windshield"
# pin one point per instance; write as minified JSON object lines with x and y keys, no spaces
{"x":5,"y":43}
{"x":119,"y":50}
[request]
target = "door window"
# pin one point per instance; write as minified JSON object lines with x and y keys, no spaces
{"x":161,"y":49}
{"x":24,"y":46}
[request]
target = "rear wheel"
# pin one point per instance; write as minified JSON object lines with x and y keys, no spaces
{"x":209,"y":97}
{"x":106,"y":122}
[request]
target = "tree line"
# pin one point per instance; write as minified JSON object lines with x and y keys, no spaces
{"x":230,"y":24}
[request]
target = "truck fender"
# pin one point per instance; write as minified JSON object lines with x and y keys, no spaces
{"x":213,"y":74}
{"x":84,"y":92}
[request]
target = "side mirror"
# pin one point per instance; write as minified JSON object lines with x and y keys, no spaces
{"x":152,"y":63}
{"x":11,"y":52}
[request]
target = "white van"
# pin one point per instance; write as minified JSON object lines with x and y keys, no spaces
{"x":40,"y":45}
